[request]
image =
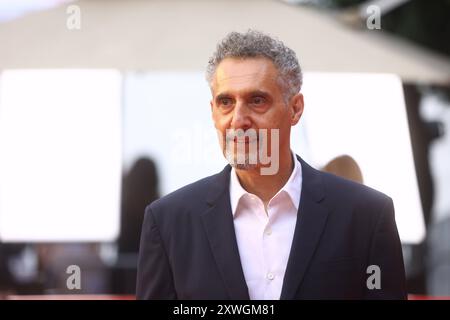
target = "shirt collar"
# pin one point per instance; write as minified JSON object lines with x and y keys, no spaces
{"x":292,"y":187}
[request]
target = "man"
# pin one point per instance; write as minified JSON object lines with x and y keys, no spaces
{"x":275,"y":229}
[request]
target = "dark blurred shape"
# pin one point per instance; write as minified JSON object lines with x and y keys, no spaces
{"x":17,"y":270}
{"x":5,"y":274}
{"x":55,"y":258}
{"x":139,"y":189}
{"x":7,"y":279}
{"x":346,"y":167}
{"x":426,"y":23}
{"x":422,"y":133}
{"x":438,"y":258}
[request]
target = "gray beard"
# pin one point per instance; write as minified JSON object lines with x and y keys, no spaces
{"x":246,"y":166}
{"x":232,"y":159}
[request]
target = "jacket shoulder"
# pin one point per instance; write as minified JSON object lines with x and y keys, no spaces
{"x":341,"y":189}
{"x":184,"y":198}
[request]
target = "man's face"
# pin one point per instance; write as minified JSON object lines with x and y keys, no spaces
{"x":246,"y":94}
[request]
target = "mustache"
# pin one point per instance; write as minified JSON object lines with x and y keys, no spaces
{"x":239,"y":135}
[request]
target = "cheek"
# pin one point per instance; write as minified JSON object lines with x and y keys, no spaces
{"x":221,"y":122}
{"x":274,"y":118}
{"x":220,"y":126}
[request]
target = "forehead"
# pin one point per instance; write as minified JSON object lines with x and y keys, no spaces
{"x":236,"y":74}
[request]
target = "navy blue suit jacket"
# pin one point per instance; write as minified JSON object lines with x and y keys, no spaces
{"x":188,"y":245}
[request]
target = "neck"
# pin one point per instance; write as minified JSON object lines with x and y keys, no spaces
{"x":266,"y":186}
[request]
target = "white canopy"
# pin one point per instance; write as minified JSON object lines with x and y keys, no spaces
{"x":181,"y":35}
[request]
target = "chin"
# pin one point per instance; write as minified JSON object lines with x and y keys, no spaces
{"x":246,"y":166}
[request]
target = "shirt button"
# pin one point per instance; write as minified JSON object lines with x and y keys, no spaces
{"x":268,"y":232}
{"x":270,"y":276}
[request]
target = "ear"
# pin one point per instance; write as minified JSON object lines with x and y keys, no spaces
{"x":297,"y":105}
{"x":212,"y":110}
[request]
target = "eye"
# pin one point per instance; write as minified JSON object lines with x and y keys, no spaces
{"x":258,"y":100}
{"x":225,"y":102}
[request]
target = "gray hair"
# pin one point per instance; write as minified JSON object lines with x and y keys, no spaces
{"x":252,"y":44}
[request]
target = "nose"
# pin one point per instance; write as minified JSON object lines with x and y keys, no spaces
{"x":241,"y":119}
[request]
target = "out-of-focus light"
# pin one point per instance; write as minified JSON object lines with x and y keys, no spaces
{"x":364,"y":116}
{"x":60,"y":147}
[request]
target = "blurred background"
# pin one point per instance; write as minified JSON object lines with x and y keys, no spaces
{"x":104,"y":108}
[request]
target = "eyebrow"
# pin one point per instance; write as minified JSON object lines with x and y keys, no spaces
{"x":222,"y":96}
{"x":250,"y":94}
{"x":259,"y":93}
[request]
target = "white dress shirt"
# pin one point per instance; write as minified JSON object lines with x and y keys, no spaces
{"x":264,"y":239}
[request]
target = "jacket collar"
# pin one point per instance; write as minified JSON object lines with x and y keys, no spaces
{"x":218,"y":223}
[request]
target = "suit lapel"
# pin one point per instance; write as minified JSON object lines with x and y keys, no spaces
{"x":218,"y":222}
{"x":311,"y":219}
